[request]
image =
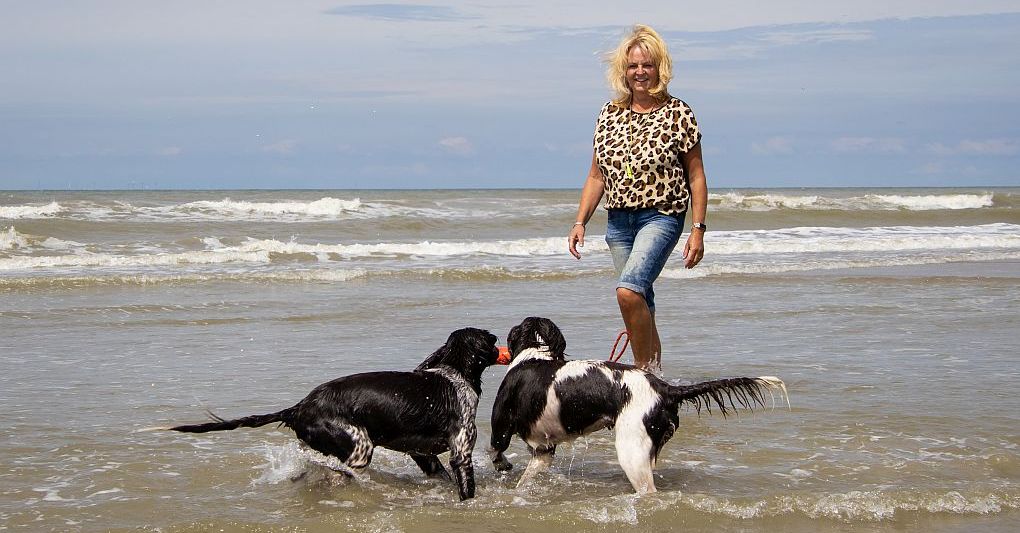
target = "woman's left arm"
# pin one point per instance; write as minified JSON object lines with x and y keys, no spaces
{"x":694,"y":167}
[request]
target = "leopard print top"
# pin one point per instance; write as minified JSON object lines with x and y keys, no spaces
{"x":656,"y":142}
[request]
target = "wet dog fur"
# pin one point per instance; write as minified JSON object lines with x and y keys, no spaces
{"x":421,"y":413}
{"x":546,"y":399}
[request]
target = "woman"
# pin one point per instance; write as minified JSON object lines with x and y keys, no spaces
{"x":647,"y":163}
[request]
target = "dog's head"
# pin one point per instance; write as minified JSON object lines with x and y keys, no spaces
{"x":468,"y":351}
{"x":537,"y":332}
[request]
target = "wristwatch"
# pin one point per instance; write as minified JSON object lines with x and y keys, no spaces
{"x":699,"y":225}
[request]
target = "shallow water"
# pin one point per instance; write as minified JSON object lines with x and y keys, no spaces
{"x":901,"y":361}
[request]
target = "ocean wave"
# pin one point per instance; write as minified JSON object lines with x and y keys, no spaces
{"x":730,"y":252}
{"x":297,"y":276}
{"x":30,"y":211}
{"x":734,"y":201}
{"x":873,"y":239}
{"x":497,"y":207}
{"x":538,"y":246}
{"x":11,"y":239}
{"x":323,"y":207}
{"x":932,"y":202}
{"x":806,"y":240}
{"x":141,"y":260}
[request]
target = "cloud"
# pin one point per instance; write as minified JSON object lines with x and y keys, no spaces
{"x":752,"y":43}
{"x":401,"y":12}
{"x":874,"y":145}
{"x":827,"y":35}
{"x":1005,"y":147}
{"x":457,"y":145}
{"x":170,"y":151}
{"x":772,"y":146}
{"x":284,"y":147}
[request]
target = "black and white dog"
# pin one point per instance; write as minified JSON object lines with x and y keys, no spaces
{"x":547,"y":400}
{"x":421,"y":413}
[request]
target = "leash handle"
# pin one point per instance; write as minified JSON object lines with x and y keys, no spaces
{"x":615,"y":357}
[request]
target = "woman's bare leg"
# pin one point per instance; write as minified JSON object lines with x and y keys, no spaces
{"x":640,"y":323}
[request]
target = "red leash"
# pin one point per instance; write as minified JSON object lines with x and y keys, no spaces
{"x":615,"y":357}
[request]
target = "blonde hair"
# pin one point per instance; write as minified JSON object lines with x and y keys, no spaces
{"x":649,"y":41}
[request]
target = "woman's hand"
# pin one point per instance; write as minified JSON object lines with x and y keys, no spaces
{"x":694,"y":249}
{"x":575,"y":239}
{"x":591,"y":195}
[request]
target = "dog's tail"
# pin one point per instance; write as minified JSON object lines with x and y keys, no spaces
{"x":221,"y":424}
{"x":727,"y":394}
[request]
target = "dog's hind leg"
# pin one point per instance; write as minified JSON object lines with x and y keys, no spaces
{"x":431,"y":466}
{"x":361,"y":455}
{"x":636,"y":453}
{"x":348,"y":443}
{"x":541,"y":460}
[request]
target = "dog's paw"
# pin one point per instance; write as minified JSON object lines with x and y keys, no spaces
{"x":502,"y":464}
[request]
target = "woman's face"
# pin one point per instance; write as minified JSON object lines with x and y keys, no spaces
{"x":642,"y":73}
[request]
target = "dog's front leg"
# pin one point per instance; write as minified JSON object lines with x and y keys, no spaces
{"x":499,"y":461}
{"x":431,"y":466}
{"x":541,"y":460}
{"x":503,"y":422}
{"x":461,"y":446}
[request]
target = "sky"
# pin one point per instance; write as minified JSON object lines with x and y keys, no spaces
{"x":137,"y":94}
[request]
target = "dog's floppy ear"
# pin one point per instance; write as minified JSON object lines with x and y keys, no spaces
{"x":514,"y":340}
{"x":461,"y":347}
{"x":435,"y":359}
{"x":534,"y":332}
{"x":553,"y":337}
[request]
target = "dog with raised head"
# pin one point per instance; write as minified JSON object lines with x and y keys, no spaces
{"x":546,"y":400}
{"x":421,"y":413}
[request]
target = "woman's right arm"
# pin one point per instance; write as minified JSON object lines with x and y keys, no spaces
{"x":591,"y":194}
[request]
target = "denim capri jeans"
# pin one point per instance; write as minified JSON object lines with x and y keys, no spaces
{"x":641,"y":241}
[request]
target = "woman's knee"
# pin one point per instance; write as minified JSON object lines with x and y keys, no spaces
{"x":630,"y":300}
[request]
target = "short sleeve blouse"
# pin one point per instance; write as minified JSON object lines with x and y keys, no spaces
{"x":652,"y":145}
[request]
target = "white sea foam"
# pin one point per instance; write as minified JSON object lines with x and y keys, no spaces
{"x":325,"y":275}
{"x":543,"y":246}
{"x":326,"y":208}
{"x":858,"y":505}
{"x":145,"y":260}
{"x":30,"y":211}
{"x":877,"y":239}
{"x":51,"y":243}
{"x":764,"y":202}
{"x":805,"y":248}
{"x":10,"y":239}
{"x":813,"y":240}
{"x":323,"y":207}
{"x":932,"y":202}
{"x":331,"y":208}
{"x":770,"y":201}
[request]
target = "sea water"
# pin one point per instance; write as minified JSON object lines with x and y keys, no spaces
{"x":890,"y":313}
